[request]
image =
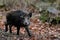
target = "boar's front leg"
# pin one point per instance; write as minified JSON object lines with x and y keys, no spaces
{"x":28,"y":31}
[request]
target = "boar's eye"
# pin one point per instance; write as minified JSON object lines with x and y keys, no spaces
{"x":22,"y":17}
{"x":30,"y":14}
{"x":28,"y":18}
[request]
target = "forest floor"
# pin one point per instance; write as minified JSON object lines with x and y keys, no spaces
{"x":39,"y":31}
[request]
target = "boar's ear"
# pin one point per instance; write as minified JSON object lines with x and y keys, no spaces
{"x":30,"y":14}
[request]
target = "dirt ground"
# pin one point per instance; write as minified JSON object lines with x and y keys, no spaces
{"x":39,"y":31}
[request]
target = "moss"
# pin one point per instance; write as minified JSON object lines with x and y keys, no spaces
{"x":44,"y":16}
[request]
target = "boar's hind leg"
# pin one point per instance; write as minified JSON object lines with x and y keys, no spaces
{"x":6,"y":27}
{"x":10,"y":27}
{"x":18,"y":28}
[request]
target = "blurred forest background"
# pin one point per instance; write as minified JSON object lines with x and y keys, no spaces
{"x":43,"y":10}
